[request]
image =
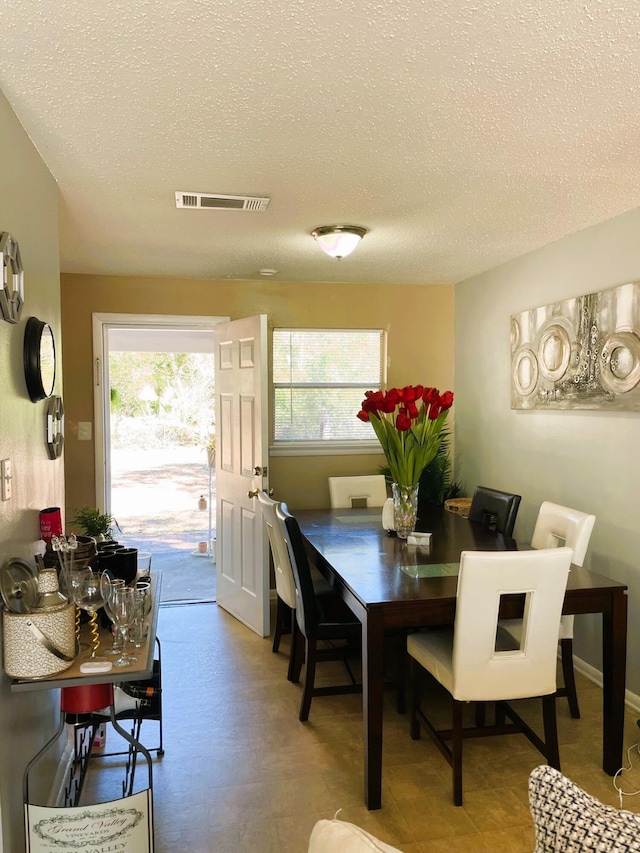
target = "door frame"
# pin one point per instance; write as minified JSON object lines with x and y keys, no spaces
{"x":101,"y":323}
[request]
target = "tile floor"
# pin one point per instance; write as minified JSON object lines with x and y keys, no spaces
{"x":187,"y":576}
{"x":240,"y":773}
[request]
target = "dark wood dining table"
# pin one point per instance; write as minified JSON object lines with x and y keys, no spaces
{"x":391,"y":584}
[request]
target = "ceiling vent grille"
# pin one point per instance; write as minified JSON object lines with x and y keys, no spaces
{"x":211,"y":201}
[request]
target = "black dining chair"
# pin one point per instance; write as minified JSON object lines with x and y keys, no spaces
{"x":494,"y":509}
{"x":286,"y":602}
{"x":319,"y":618}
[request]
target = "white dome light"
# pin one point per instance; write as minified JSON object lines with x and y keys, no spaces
{"x":338,"y":241}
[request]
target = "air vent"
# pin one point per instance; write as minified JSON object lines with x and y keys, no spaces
{"x":211,"y":201}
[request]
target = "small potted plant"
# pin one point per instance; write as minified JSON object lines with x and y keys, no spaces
{"x":94,"y":523}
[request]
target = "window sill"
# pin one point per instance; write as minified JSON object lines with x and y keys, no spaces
{"x":326,"y":448}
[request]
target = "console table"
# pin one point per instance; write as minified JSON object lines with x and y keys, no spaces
{"x":84,"y":720}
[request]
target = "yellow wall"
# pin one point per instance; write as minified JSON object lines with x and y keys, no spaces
{"x":29,"y":208}
{"x":419,"y":321}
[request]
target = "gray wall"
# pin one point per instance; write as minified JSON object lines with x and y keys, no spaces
{"x":28,"y":211}
{"x":586,"y":460}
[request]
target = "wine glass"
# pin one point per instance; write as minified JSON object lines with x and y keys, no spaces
{"x":123,"y":609}
{"x":109,"y":585}
{"x":144,"y":565}
{"x":142,"y":604}
{"x":88,"y":595}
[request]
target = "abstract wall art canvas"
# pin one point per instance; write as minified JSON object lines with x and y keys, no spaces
{"x":581,"y":353}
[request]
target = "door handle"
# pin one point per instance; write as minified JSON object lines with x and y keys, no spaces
{"x":254,"y":493}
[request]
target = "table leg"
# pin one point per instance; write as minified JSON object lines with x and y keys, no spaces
{"x":614,"y":658}
{"x":372,"y":699}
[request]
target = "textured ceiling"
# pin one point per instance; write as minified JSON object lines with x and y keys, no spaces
{"x":461,"y":134}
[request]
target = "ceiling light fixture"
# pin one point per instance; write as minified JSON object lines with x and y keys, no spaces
{"x":338,"y":241}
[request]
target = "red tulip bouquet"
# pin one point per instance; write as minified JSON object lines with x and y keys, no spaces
{"x":408,"y":423}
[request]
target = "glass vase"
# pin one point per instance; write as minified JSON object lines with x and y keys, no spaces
{"x":405,"y":509}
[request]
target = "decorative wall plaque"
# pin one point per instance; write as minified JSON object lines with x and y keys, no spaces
{"x":12,"y":290}
{"x":582,"y":353}
{"x":55,"y":427}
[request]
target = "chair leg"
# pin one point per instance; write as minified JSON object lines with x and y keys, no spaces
{"x":299,"y":645}
{"x":296,"y":640}
{"x":566,"y":652}
{"x":309,"y":678}
{"x":550,"y":730}
{"x":481,"y":714}
{"x":160,"y":750}
{"x":414,"y":722}
{"x":278,"y":631}
{"x":401,"y":657}
{"x":456,"y":751}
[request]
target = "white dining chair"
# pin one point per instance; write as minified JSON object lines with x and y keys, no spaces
{"x":473,"y":664}
{"x":360,"y":491}
{"x":285,"y":584}
{"x":560,"y":525}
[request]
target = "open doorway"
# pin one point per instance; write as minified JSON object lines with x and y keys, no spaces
{"x":158,"y":431}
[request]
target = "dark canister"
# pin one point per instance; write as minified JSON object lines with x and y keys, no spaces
{"x":109,"y":545}
{"x":124,"y":564}
{"x":105,"y":560}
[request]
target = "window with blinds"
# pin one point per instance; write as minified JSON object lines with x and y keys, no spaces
{"x":320,"y":377}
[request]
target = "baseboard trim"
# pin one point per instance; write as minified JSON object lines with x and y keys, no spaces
{"x":67,"y":757}
{"x":632,"y":700}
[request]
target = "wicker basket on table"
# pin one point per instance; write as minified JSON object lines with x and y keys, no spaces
{"x":460,"y":506}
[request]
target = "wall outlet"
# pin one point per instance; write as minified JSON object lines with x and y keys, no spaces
{"x":5,"y":479}
{"x":84,"y":430}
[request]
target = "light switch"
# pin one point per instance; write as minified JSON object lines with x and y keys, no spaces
{"x":5,"y":478}
{"x":84,"y":430}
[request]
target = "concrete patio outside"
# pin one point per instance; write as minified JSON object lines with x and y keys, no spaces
{"x":154,"y":499}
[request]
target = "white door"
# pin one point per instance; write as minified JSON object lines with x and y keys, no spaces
{"x":241,"y":466}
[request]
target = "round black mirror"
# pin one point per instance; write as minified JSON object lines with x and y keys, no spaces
{"x":39,"y":359}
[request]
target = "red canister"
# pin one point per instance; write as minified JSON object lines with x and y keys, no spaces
{"x":50,"y":523}
{"x":86,"y":698}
